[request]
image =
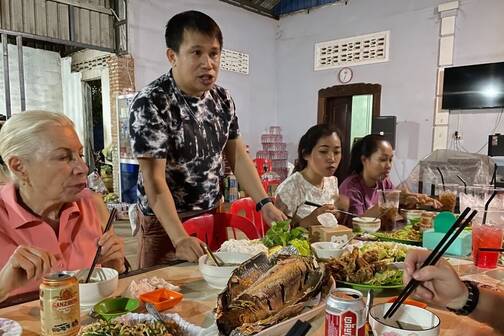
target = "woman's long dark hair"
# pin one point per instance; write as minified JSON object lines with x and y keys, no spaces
{"x":309,"y":141}
{"x":363,"y":147}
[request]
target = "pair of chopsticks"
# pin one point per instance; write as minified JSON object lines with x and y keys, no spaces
{"x":218,"y":262}
{"x":338,"y":210}
{"x":98,"y":250}
{"x":434,"y":257}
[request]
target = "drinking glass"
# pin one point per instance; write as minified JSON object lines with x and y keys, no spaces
{"x":388,"y":201}
{"x":487,"y":235}
{"x":447,"y":195}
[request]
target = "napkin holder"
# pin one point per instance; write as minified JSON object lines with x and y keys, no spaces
{"x":325,"y":234}
{"x":462,"y":246}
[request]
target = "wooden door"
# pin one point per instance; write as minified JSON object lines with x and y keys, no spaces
{"x":335,"y":109}
{"x":338,"y":114}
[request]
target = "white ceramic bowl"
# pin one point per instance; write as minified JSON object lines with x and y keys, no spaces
{"x":327,"y":250}
{"x":103,"y":283}
{"x":406,"y":315}
{"x":217,"y":277}
{"x":366,"y":224}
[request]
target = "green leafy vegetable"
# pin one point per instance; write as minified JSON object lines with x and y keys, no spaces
{"x":281,"y":234}
{"x":302,"y":246}
{"x":387,"y":278}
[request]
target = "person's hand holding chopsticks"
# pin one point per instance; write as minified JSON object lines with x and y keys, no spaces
{"x":439,"y":284}
{"x":112,"y":251}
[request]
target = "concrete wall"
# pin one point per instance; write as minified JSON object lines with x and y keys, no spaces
{"x":42,"y":75}
{"x":478,"y":42}
{"x":254,"y":94}
{"x":408,"y":79}
{"x":282,"y":87}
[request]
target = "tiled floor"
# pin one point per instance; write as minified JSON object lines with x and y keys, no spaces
{"x":122,"y":228}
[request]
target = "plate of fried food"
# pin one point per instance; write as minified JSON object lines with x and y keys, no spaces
{"x":374,"y":265}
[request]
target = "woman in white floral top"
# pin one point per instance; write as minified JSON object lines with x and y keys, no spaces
{"x":319,"y":154}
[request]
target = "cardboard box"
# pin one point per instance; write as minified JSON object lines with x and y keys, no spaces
{"x":320,"y":233}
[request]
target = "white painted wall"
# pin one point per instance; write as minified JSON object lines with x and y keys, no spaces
{"x":478,"y":42}
{"x":255,"y":95}
{"x":73,"y":106}
{"x":282,"y":87}
{"x":42,"y":75}
{"x":408,"y":79}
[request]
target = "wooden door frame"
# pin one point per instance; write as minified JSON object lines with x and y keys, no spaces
{"x":348,"y":90}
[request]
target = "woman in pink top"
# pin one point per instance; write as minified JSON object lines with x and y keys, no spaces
{"x":49,"y":220}
{"x":370,"y":165}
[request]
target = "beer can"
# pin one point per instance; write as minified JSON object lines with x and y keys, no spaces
{"x":345,"y":313}
{"x":59,"y":305}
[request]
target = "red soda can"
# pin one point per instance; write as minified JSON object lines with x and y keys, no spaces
{"x":345,"y":313}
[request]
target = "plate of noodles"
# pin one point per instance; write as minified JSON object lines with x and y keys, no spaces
{"x":142,"y":324}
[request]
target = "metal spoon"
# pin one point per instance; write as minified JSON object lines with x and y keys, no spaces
{"x":348,"y":241}
{"x":338,"y":210}
{"x":151,"y":309}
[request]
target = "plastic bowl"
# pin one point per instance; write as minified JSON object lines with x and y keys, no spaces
{"x":113,"y":307}
{"x":401,"y":324}
{"x":327,"y":250}
{"x":162,"y":298}
{"x":217,"y":277}
{"x":103,"y":283}
{"x":366,"y":224}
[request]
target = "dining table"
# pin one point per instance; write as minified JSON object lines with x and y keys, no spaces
{"x":199,"y":302}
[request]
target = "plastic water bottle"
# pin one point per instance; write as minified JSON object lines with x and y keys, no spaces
{"x":232,"y":188}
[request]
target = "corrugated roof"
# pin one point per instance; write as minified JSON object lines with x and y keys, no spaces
{"x":277,"y":8}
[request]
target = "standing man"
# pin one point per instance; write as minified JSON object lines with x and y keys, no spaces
{"x":180,"y":125}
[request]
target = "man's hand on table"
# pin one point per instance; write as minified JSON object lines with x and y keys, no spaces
{"x":440,"y":283}
{"x":271,"y":213}
{"x":189,"y":248}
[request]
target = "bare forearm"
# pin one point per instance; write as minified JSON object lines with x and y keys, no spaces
{"x":488,"y":309}
{"x":372,"y":212}
{"x":161,"y":202}
{"x":306,"y":222}
{"x":4,"y":293}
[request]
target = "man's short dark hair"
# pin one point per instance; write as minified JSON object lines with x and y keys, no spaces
{"x":190,"y":21}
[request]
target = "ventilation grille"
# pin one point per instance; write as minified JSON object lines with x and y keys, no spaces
{"x":364,"y":49}
{"x":235,"y":61}
{"x":96,"y":63}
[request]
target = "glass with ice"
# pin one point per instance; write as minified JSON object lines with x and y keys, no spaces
{"x":488,"y":235}
{"x":388,"y":201}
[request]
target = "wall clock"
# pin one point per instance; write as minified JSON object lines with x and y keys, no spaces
{"x":345,"y":75}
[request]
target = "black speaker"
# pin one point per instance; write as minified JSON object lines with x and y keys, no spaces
{"x":496,"y":145}
{"x":386,"y":126}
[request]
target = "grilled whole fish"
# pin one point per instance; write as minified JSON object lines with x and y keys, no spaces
{"x":262,"y":292}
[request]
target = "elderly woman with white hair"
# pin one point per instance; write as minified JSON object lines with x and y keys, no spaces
{"x":49,"y":220}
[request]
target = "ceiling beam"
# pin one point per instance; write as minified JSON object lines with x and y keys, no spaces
{"x":247,"y":5}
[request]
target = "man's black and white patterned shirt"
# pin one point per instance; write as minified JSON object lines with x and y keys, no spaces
{"x":190,"y":133}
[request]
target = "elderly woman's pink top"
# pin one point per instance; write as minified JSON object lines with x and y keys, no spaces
{"x":79,"y":231}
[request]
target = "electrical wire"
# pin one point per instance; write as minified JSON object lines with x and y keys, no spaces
{"x":497,"y":124}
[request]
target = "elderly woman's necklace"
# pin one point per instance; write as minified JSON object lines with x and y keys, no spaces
{"x":54,"y":223}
